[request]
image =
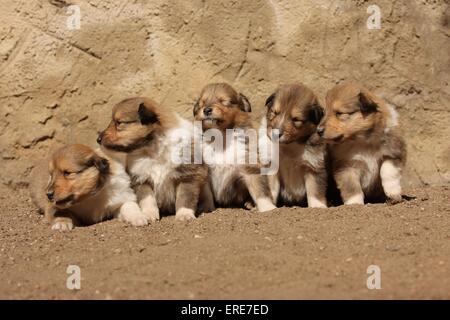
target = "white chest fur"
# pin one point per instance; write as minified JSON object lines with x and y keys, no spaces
{"x":222,"y":163}
{"x":292,"y":184}
{"x":291,"y":173}
{"x":221,"y":175}
{"x":113,"y":195}
{"x":292,"y":159}
{"x":370,"y":170}
{"x":364,"y":158}
{"x":158,"y":165}
{"x":144,"y":169}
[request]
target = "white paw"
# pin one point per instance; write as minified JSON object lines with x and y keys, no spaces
{"x":318,"y":205}
{"x":62,"y":225}
{"x":266,"y":208}
{"x":131,"y":213}
{"x":135,"y":219}
{"x":249,"y":205}
{"x":356,"y":199}
{"x":314,"y":203}
{"x":394,"y":199}
{"x":185,"y":214}
{"x":151,"y":214}
{"x":265,"y":204}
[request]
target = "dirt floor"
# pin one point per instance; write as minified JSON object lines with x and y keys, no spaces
{"x":292,"y":253}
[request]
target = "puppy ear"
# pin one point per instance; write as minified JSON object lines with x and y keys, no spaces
{"x":146,"y":116}
{"x":100,"y":163}
{"x":367,"y":104}
{"x":269,"y":100}
{"x":245,"y":104}
{"x":315,"y":114}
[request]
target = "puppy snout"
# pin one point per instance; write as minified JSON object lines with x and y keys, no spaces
{"x":207,"y":111}
{"x":320,"y":131}
{"x":50,"y":195}
{"x":99,"y":138}
{"x":277,"y":133}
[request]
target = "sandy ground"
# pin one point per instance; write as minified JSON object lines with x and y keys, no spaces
{"x":292,"y":253}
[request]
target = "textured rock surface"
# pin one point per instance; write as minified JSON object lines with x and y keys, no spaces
{"x":58,"y":85}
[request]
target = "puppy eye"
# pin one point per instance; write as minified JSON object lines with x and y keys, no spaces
{"x":120,"y":125}
{"x":297,"y":122}
{"x":342,"y":116}
{"x":68,"y":174}
{"x":124,"y":122}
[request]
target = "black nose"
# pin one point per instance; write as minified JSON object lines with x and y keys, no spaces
{"x":99,"y":138}
{"x":50,"y":195}
{"x":277,"y":134}
{"x":320,"y":130}
{"x":207,"y":111}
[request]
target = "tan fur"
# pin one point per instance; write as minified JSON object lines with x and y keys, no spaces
{"x":231,"y":184}
{"x":366,"y":148}
{"x":229,"y":108}
{"x":295,"y":112}
{"x":125,"y":130}
{"x":142,"y":128}
{"x":78,"y":185}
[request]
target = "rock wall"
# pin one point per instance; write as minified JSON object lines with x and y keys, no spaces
{"x":58,"y":85}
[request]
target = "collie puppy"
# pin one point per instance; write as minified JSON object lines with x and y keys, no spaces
{"x":227,"y":135}
{"x":366,"y":147}
{"x":159,"y":160}
{"x":80,"y":186}
{"x":294,"y":112}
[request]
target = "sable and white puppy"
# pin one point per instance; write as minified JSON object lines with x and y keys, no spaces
{"x":154,"y":139}
{"x":295,"y":112}
{"x":224,"y":115}
{"x":366,"y":148}
{"x":78,"y":185}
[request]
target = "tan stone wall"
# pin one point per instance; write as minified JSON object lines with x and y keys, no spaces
{"x":58,"y":85}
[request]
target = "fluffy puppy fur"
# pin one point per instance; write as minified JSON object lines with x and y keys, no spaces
{"x":366,"y":148}
{"x":152,"y":136}
{"x":233,"y":183}
{"x":295,"y":112}
{"x":78,"y":185}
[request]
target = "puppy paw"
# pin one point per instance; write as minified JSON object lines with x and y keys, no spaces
{"x":318,"y":205}
{"x":265,"y":204}
{"x":266,"y":208}
{"x":394,"y":199}
{"x":152,"y":214}
{"x":355,"y":199}
{"x":249,"y":205}
{"x":132,"y":214}
{"x":135,"y":219}
{"x":62,"y":224}
{"x":184,"y":214}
